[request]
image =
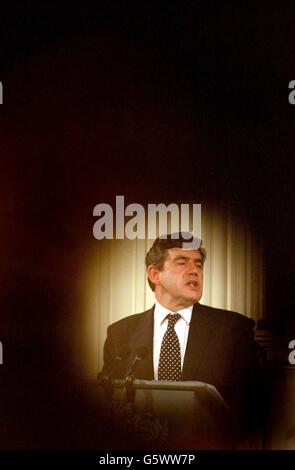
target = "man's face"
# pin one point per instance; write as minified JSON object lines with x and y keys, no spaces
{"x":180,"y":283}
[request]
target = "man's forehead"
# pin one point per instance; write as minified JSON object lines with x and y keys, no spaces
{"x":173,"y":252}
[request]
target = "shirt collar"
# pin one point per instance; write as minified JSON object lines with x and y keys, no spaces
{"x":161,"y":313}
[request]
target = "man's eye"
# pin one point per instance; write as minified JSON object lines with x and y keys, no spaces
{"x":180,"y":262}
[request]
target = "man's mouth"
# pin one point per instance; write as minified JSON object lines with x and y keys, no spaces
{"x":193,"y":284}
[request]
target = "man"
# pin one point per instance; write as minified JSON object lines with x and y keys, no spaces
{"x":205,"y":344}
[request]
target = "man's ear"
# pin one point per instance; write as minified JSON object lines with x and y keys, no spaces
{"x":153,"y":274}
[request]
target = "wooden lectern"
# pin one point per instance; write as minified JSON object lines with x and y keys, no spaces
{"x":174,"y":415}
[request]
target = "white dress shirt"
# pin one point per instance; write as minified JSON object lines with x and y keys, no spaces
{"x":160,"y":327}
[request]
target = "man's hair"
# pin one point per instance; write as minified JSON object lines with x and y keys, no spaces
{"x":157,"y":254}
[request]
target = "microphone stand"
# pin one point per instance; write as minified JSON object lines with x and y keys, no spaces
{"x":107,"y":380}
{"x":130,"y":390}
{"x":107,"y":384}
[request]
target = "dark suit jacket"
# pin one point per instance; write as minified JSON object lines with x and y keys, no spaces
{"x":220,"y":351}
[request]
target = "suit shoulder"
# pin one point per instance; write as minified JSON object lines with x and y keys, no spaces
{"x":129,"y":321}
{"x":228,"y":317}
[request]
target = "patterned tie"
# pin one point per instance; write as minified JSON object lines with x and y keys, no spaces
{"x":170,"y":360}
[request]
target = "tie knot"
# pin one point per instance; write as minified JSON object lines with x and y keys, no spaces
{"x":172,"y":319}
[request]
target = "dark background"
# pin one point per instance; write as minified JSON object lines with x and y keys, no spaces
{"x":184,"y":101}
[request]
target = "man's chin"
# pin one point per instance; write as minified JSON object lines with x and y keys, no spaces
{"x":194,"y":292}
{"x":193,"y":299}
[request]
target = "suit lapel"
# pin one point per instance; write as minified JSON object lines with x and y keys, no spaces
{"x":143,"y":336}
{"x":199,"y":334}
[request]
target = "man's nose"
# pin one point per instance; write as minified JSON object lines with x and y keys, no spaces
{"x":193,"y":269}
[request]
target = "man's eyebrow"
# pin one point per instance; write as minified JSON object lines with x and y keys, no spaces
{"x":183,"y":257}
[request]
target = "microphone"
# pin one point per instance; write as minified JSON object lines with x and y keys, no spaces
{"x":141,"y":354}
{"x":121,"y":356}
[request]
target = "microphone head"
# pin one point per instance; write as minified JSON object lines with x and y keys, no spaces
{"x":123,"y":354}
{"x":142,"y":352}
